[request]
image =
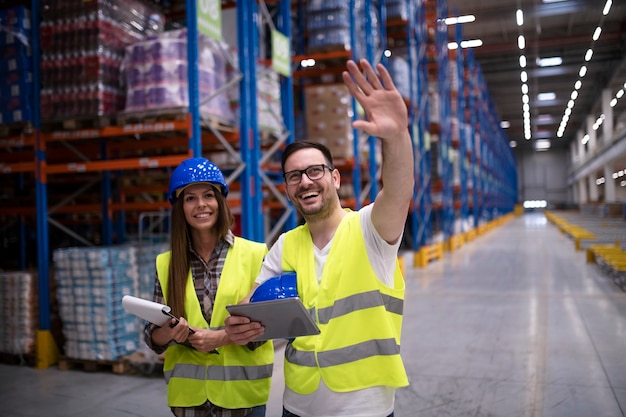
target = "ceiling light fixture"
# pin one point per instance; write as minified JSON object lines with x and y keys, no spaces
{"x":459,"y":19}
{"x":542,"y":144}
{"x":618,"y":95}
{"x":546,"y":96}
{"x":582,"y":73}
{"x":472,"y":43}
{"x":596,"y":33}
{"x":521,"y":44}
{"x":549,"y":62}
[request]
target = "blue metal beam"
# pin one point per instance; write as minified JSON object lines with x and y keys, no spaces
{"x":195,"y":141}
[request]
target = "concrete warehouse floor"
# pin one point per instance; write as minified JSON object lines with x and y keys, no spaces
{"x":514,"y":323}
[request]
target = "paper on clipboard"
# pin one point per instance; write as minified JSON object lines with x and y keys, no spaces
{"x":156,"y":313}
{"x":283,"y":319}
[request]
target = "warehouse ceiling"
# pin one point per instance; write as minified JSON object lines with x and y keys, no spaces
{"x":562,"y":29}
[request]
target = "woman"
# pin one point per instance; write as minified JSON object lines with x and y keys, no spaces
{"x":207,"y":269}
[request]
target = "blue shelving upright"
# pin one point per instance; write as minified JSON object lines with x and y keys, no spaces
{"x":424,"y":233}
{"x":496,"y":177}
{"x":445,"y":133}
{"x":473,"y":135}
{"x":420,"y":215}
{"x":464,"y":134}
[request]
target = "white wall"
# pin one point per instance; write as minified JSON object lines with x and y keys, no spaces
{"x":543,"y":176}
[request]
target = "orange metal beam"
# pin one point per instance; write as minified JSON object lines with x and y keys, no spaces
{"x":17,"y":167}
{"x":120,"y":164}
{"x":110,"y":131}
{"x":323,"y":56}
{"x":18,"y":141}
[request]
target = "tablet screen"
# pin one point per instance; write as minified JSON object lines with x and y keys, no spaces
{"x":282,"y":319}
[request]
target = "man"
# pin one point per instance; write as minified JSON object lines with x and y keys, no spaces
{"x":346,"y":265}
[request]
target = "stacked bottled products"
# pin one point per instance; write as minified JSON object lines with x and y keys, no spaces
{"x":328,"y":26}
{"x":15,"y":66}
{"x":82,"y":45}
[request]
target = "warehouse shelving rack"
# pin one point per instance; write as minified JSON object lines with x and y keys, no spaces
{"x":477,"y":194}
{"x":489,"y":162}
{"x":460,"y":139}
{"x":486,"y":190}
{"x":495,"y":181}
{"x":444,"y":89}
{"x":471,"y":155}
{"x":331,"y":62}
{"x":411,"y":33}
{"x":423,"y":230}
{"x":94,"y":150}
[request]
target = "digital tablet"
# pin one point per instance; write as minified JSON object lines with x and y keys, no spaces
{"x":282,"y":319}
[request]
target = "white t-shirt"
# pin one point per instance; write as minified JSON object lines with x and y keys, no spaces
{"x":369,"y":402}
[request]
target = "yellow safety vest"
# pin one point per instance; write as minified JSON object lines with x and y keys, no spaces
{"x":359,"y":317}
{"x":234,"y":377}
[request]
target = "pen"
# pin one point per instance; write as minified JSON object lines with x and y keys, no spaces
{"x":166,"y":311}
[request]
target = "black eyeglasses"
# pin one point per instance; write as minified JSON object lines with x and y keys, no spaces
{"x":314,"y":172}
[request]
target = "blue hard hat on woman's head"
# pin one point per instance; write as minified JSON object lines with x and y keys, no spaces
{"x":195,"y":170}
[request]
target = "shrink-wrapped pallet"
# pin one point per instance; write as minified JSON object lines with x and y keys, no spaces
{"x":90,"y":285}
{"x":18,"y":312}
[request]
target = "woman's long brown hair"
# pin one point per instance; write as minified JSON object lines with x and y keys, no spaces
{"x":180,"y":242}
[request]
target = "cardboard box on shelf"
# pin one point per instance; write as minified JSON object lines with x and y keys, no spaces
{"x":329,"y":118}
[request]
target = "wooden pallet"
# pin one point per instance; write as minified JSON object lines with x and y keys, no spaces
{"x":28,"y":359}
{"x":119,"y":366}
{"x":132,"y":364}
{"x":170,"y":114}
{"x":209,"y":121}
{"x":145,"y":365}
{"x":15,"y":129}
{"x":78,"y":123}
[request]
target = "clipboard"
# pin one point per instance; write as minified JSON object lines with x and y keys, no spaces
{"x":283,"y":319}
{"x":156,"y":313}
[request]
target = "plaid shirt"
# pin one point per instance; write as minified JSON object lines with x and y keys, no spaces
{"x":199,"y":270}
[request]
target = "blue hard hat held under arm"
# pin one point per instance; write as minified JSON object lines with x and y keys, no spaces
{"x":277,"y":287}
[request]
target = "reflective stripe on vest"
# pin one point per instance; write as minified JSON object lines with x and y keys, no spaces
{"x":219,"y":373}
{"x":235,"y":377}
{"x":359,"y":317}
{"x":360,"y":301}
{"x":352,"y":353}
